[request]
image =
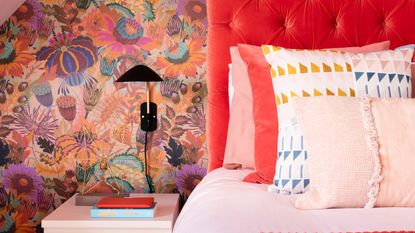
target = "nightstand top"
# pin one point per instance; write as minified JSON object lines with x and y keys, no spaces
{"x":70,"y":216}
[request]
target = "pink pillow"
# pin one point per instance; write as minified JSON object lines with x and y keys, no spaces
{"x":412,"y":77}
{"x":384,"y":45}
{"x":264,"y":120}
{"x":360,"y":152}
{"x":240,"y":140}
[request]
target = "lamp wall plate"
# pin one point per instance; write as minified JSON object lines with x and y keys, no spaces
{"x":148,"y":120}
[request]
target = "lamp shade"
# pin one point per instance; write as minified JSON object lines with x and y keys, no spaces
{"x":140,"y":73}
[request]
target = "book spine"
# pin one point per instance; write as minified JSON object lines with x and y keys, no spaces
{"x":122,"y":213}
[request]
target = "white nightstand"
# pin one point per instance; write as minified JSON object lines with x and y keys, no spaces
{"x":69,"y":218}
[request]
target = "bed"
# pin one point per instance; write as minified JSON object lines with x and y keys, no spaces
{"x":222,"y":202}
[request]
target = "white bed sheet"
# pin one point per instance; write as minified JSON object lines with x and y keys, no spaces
{"x":222,"y":203}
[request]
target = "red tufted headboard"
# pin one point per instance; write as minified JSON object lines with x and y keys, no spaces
{"x":307,"y":24}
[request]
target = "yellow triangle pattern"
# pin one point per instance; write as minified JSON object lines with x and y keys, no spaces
{"x":326,"y":68}
{"x":266,"y":50}
{"x":281,"y":71}
{"x":293,"y":94}
{"x":315,"y":68}
{"x":273,"y":73}
{"x":338,"y":68}
{"x":291,"y":69}
{"x":348,"y":67}
{"x":352,"y":92}
{"x":276,"y":48}
{"x":328,"y":92}
{"x":340,"y":92}
{"x":278,"y":99}
{"x":284,"y":99}
{"x":317,"y":93}
{"x":303,"y":69}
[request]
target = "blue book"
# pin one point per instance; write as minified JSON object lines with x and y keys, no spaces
{"x":123,"y":213}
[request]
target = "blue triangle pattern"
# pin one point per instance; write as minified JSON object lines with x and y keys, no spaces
{"x":279,"y":154}
{"x":370,"y":76}
{"x":276,"y":181}
{"x":286,"y":154}
{"x":408,"y":78}
{"x":295,"y":182}
{"x":381,"y":76}
{"x":296,"y":153}
{"x":358,"y":75}
{"x":306,"y":182}
{"x":400,"y":77}
{"x":284,"y":182}
{"x":391,"y":77}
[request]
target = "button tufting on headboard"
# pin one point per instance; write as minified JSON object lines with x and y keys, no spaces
{"x":297,"y":24}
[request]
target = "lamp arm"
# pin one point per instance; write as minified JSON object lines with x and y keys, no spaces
{"x":148,"y":97}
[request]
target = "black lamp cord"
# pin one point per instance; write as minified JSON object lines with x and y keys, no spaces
{"x":150,"y":187}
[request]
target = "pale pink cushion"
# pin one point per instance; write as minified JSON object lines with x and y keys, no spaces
{"x":346,"y":138}
{"x":239,"y":150}
{"x":339,"y":161}
{"x":395,"y":126}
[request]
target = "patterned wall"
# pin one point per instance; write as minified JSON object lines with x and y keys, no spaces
{"x":66,"y":127}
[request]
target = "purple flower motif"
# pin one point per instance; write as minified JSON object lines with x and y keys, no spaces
{"x":45,"y":200}
{"x":43,"y":94}
{"x":188,"y":177}
{"x":3,"y":197}
{"x":196,"y":9}
{"x":30,"y":12}
{"x":72,"y":57}
{"x":40,"y":123}
{"x":174,"y":25}
{"x":22,"y":180}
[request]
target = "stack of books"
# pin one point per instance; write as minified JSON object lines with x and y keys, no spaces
{"x":124,"y":207}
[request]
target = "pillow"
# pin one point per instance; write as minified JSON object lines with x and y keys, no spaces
{"x":324,"y":73}
{"x":384,"y":45}
{"x":412,"y":68}
{"x":264,"y":115}
{"x":413,"y":75}
{"x":371,"y":134}
{"x":230,"y":85}
{"x":256,"y":68}
{"x":239,"y":144}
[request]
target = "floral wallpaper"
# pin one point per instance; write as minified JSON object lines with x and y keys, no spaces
{"x":67,"y":127}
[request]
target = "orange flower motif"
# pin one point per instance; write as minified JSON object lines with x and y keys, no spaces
{"x":13,"y":57}
{"x":54,"y":166}
{"x":112,"y":109}
{"x":182,"y":59}
{"x":21,"y":221}
{"x":84,"y":145}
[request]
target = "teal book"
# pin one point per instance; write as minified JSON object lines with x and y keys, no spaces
{"x":123,"y":213}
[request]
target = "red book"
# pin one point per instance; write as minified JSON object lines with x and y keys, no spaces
{"x":126,"y":202}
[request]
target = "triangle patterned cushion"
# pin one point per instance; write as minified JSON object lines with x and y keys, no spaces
{"x":306,"y":73}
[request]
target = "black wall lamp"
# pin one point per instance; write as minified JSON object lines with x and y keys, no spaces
{"x":148,"y":110}
{"x":142,"y":73}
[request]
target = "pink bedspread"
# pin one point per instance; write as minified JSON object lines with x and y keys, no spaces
{"x":222,"y":203}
